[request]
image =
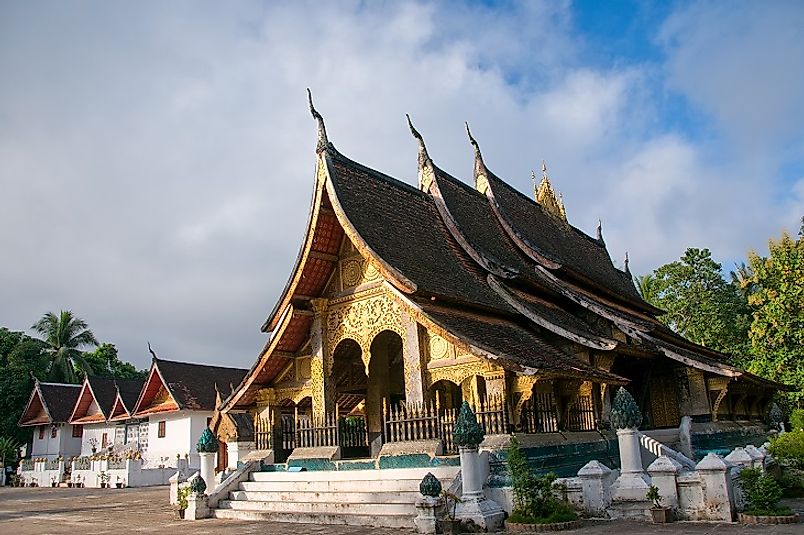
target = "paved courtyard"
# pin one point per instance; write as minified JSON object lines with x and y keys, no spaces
{"x":93,"y":511}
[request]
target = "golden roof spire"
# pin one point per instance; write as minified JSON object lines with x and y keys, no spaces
{"x":322,"y":130}
{"x":426,"y":173}
{"x":545,"y":195}
{"x":481,"y":180}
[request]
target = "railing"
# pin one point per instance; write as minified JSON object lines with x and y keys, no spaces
{"x":658,"y":449}
{"x":116,"y":463}
{"x":352,"y":432}
{"x":27,"y":464}
{"x":317,"y":432}
{"x":539,"y":414}
{"x":581,"y":415}
{"x":52,"y":464}
{"x":262,"y":432}
{"x":83,"y":463}
{"x":409,"y":421}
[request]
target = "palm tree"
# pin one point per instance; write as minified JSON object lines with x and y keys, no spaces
{"x":64,"y":335}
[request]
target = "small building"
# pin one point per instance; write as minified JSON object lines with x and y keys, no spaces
{"x":48,"y":413}
{"x":91,"y":414}
{"x":178,"y":400}
{"x":127,"y":431}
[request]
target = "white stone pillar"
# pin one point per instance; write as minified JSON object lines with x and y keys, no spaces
{"x":473,"y":505}
{"x":594,"y":488}
{"x":429,"y":510}
{"x":197,"y":506}
{"x":757,"y":457}
{"x":740,"y":457}
{"x":717,"y":491}
{"x":663,"y":472}
{"x":208,"y":469}
{"x":633,"y":483}
{"x":236,"y":452}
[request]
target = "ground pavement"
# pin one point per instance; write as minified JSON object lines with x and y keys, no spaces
{"x":94,"y":511}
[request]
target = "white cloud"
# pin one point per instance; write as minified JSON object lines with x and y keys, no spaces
{"x":157,"y":159}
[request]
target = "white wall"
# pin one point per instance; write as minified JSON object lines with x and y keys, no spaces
{"x":182,"y":430}
{"x":62,"y":444}
{"x":96,"y":431}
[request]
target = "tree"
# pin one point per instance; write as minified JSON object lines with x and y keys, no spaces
{"x":105,"y":362}
{"x":646,"y":285}
{"x":64,"y":335}
{"x":777,"y":329}
{"x":700,"y":304}
{"x":21,"y":359}
{"x":9,"y":449}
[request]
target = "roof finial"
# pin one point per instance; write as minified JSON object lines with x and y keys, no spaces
{"x":599,"y":229}
{"x":481,"y":181}
{"x":533,"y":179}
{"x":322,"y":130}
{"x":151,"y":351}
{"x":625,"y":264}
{"x":545,"y":195}
{"x":424,"y":158}
{"x":544,"y":171}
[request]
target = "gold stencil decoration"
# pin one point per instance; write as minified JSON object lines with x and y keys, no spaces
{"x":352,"y":272}
{"x":371,"y":273}
{"x":438,"y":347}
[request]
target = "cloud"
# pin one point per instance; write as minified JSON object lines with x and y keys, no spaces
{"x":157,"y":159}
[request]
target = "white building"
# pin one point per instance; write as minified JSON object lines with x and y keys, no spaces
{"x":178,"y":400}
{"x":127,"y":431}
{"x":48,"y":412}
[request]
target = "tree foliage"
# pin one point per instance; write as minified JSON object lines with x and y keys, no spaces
{"x":65,"y":335}
{"x":105,"y":362}
{"x":777,"y":301}
{"x":699,"y":303}
{"x":21,"y":359}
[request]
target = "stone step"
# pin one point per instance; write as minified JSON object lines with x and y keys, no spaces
{"x":395,"y":485}
{"x":322,"y":508}
{"x":372,"y":496}
{"x":383,"y":521}
{"x":441,"y":472}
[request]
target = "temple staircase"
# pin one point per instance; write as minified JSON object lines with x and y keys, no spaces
{"x":382,"y":498}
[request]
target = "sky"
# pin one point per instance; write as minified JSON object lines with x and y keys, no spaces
{"x":157,"y":158}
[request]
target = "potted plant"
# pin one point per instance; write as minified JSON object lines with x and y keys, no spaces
{"x":181,"y":500}
{"x":78,"y":482}
{"x":104,"y":479}
{"x":118,"y":483}
{"x":53,"y":482}
{"x":34,"y":482}
{"x":93,"y":443}
{"x":762,"y":494}
{"x":536,"y":505}
{"x":660,"y":513}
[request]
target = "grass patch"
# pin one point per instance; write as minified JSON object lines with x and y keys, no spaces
{"x":779,"y":511}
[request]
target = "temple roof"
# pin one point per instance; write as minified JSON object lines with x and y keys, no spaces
{"x":188,"y":386}
{"x":50,"y":403}
{"x":103,"y":392}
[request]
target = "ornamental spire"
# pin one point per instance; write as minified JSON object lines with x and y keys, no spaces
{"x":481,"y":179}
{"x":545,"y":195}
{"x":599,"y":230}
{"x":322,"y":130}
{"x":426,"y":173}
{"x":625,"y":264}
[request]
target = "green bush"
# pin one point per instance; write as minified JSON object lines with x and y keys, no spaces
{"x":181,"y":497}
{"x":797,"y":420}
{"x":535,"y":501}
{"x":792,"y":483}
{"x":788,"y":449}
{"x":761,"y":492}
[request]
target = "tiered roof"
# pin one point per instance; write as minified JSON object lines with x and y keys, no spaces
{"x":50,"y":403}
{"x":487,"y":265}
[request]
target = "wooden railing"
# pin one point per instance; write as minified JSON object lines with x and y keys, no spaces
{"x":263,"y":432}
{"x":317,"y":432}
{"x":539,"y":414}
{"x":581,"y":415}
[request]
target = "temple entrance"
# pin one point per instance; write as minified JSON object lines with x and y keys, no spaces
{"x":386,"y":383}
{"x":351,"y":390}
{"x":446,"y":394}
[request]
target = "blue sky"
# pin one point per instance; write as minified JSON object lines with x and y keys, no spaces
{"x":156,"y":159}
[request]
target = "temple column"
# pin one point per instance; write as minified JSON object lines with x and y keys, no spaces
{"x":323,"y":395}
{"x":412,"y":357}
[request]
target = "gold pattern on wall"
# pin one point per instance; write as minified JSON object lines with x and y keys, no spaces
{"x":303,"y":368}
{"x":439,"y":347}
{"x":664,"y":401}
{"x":457,"y":374}
{"x":354,"y":269}
{"x":361,"y":318}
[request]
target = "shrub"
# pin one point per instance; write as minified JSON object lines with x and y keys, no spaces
{"x":535,"y":501}
{"x":788,"y":449}
{"x":181,"y":496}
{"x":797,"y":420}
{"x":761,"y":492}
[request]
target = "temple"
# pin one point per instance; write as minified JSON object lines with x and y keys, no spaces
{"x":406,"y":301}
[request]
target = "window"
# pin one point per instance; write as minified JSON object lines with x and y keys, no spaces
{"x":161,"y":433}
{"x":53,"y":431}
{"x":78,"y":431}
{"x":104,"y":441}
{"x":41,"y":432}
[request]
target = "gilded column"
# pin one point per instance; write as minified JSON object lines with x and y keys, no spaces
{"x":412,"y":358}
{"x":321,"y":362}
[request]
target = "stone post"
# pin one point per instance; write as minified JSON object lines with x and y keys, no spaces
{"x":633,"y":483}
{"x":197,"y":500}
{"x":757,"y":457}
{"x":717,"y":491}
{"x":208,"y":468}
{"x":175,"y":480}
{"x":738,"y":456}
{"x":663,"y":472}
{"x":594,"y":487}
{"x":236,"y":452}
{"x":430,"y":507}
{"x":484,"y":513}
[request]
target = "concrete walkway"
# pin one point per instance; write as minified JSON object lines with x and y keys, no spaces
{"x":93,"y":511}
